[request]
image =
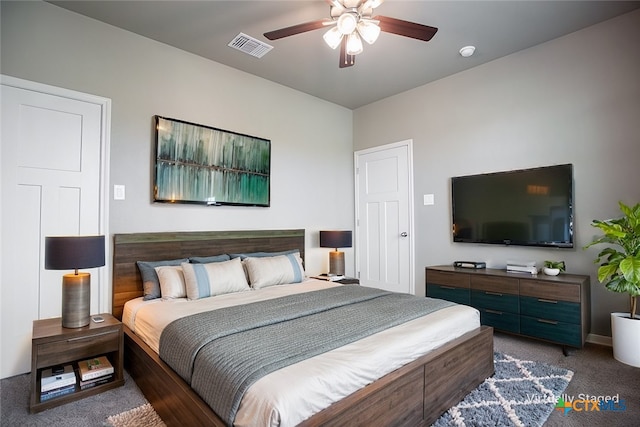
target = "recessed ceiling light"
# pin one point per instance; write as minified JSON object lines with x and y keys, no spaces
{"x":467,"y":51}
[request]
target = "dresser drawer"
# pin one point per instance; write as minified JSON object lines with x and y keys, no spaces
{"x":550,"y":290}
{"x":500,"y":320}
{"x":502,"y":285}
{"x":495,"y":301}
{"x":458,"y":280}
{"x":75,"y":348}
{"x":449,"y":293}
{"x":543,"y":308}
{"x":559,"y":332}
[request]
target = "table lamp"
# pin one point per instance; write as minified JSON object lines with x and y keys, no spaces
{"x":335,"y":239}
{"x":73,"y":253}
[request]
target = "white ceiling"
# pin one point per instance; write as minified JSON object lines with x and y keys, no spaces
{"x":392,"y":65}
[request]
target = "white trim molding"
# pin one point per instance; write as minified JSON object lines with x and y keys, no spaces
{"x":599,"y":339}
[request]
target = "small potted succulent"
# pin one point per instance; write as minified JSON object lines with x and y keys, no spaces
{"x":553,"y":268}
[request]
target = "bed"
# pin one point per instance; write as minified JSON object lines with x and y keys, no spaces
{"x":415,"y":393}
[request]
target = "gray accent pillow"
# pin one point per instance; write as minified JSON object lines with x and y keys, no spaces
{"x":208,"y":259}
{"x":150,"y":281}
{"x":264,"y":254}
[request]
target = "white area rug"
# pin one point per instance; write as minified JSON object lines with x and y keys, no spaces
{"x":142,"y":416}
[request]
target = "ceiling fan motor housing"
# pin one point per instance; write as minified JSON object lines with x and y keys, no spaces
{"x":352,"y":21}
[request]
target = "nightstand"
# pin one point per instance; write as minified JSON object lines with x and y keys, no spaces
{"x":53,"y":345}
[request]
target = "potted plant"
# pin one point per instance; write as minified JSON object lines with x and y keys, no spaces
{"x":553,"y":268}
{"x":619,"y":271}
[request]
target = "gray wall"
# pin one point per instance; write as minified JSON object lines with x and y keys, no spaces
{"x":310,"y":160}
{"x":575,"y":100}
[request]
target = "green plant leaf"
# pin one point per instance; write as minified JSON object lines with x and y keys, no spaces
{"x":605,"y":271}
{"x":630,"y":268}
{"x":617,"y":284}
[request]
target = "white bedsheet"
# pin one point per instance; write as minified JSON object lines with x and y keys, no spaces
{"x":290,"y":395}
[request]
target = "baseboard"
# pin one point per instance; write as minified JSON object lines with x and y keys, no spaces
{"x":599,"y":339}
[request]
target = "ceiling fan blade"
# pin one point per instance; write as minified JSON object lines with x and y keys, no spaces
{"x":346,"y":60}
{"x":297,"y":29}
{"x":406,"y":28}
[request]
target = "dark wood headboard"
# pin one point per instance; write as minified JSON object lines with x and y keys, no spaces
{"x":129,"y":248}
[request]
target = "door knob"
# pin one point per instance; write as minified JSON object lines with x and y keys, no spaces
{"x":404,"y":234}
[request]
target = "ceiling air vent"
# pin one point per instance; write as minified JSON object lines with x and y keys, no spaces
{"x":249,"y":45}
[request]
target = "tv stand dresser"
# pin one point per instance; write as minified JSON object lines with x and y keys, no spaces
{"x":551,"y":308}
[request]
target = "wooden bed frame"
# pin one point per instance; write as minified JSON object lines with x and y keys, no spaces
{"x":414,"y":395}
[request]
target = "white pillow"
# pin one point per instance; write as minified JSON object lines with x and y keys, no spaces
{"x":277,"y":270}
{"x":215,"y":278}
{"x":172,"y":283}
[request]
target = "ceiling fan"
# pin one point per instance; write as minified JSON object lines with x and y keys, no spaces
{"x":352,"y":21}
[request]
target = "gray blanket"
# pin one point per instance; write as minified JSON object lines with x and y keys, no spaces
{"x":222,"y":352}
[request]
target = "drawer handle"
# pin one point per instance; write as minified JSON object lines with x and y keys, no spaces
{"x":450,"y":288}
{"x":547,"y":301}
{"x":91,"y":336}
{"x":550,"y":322}
{"x":493,"y":311}
{"x":498,"y":294}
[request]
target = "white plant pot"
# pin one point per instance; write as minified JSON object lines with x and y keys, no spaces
{"x":551,"y":271}
{"x":625,"y":335}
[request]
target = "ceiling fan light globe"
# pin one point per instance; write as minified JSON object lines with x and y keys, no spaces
{"x":371,"y":4}
{"x":354,"y":44}
{"x":368,"y":31}
{"x":347,"y":23}
{"x":333,"y":37}
{"x":336,"y":10}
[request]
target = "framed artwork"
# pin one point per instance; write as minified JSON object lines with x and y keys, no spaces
{"x":209,"y":166}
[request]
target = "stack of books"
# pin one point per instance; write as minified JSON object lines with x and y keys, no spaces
{"x":94,"y":372}
{"x":330,"y":277}
{"x":57,"y":381}
{"x":522,"y":267}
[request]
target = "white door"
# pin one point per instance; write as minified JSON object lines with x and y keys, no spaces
{"x":53,"y":168}
{"x":384,"y":217}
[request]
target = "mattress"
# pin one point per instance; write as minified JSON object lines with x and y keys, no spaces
{"x":292,"y":394}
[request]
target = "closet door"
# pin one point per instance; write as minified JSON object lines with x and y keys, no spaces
{"x":53,"y":166}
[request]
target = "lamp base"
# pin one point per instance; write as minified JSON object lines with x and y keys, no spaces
{"x":76,"y":300}
{"x":336,"y":263}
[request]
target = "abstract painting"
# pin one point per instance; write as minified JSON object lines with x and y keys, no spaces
{"x":210,"y":166}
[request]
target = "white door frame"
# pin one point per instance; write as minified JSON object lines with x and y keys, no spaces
{"x":409,"y":144}
{"x":105,"y":135}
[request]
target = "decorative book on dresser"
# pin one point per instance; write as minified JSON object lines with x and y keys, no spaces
{"x":551,"y":308}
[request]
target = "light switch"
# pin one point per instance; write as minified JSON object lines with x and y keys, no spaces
{"x":118,"y":192}
{"x":429,"y":199}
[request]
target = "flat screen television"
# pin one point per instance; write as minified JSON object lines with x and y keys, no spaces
{"x":527,"y":207}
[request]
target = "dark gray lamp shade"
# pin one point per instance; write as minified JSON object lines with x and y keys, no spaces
{"x":73,"y":252}
{"x":335,"y":239}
